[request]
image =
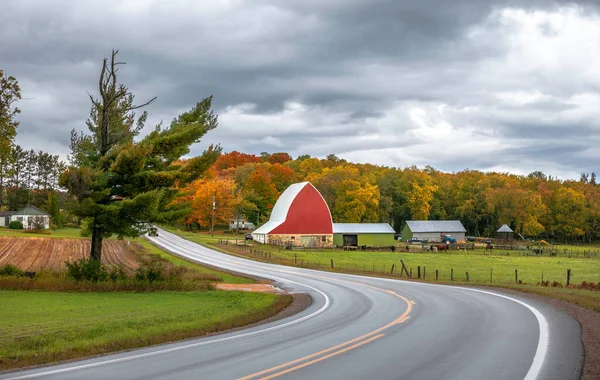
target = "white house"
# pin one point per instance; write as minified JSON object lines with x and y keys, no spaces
{"x":29,"y":216}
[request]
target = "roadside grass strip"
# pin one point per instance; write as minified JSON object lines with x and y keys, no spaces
{"x":43,"y":327}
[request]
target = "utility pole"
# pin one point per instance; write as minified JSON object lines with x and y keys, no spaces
{"x":212,"y":219}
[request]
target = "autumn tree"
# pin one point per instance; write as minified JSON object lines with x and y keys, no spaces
{"x":202,"y":192}
{"x":356,"y":203}
{"x":121,"y":185}
{"x":234,"y":159}
{"x":260,"y":192}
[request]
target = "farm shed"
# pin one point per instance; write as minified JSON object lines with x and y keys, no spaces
{"x":300,"y":217}
{"x":28,"y":216}
{"x":504,"y":233}
{"x":359,"y":234}
{"x":433,"y":230}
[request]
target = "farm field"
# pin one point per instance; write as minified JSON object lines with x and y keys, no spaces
{"x":42,"y":253}
{"x":41,"y":327}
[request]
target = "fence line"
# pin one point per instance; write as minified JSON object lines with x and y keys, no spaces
{"x":389,"y":270}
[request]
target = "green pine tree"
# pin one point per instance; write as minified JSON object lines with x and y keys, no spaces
{"x":122,"y":185}
{"x":54,"y":210}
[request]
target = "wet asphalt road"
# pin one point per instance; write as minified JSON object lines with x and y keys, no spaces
{"x":357,"y":328}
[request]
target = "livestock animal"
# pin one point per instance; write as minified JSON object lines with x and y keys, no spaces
{"x":441,"y":247}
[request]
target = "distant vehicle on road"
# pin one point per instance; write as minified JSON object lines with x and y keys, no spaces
{"x":152,"y":231}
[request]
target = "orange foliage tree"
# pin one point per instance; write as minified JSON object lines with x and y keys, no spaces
{"x":201,"y":196}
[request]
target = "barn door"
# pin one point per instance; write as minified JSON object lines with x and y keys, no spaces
{"x":350,"y":240}
{"x":308,"y":241}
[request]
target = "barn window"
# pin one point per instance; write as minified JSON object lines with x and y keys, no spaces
{"x":323,"y":239}
{"x":292,"y":237}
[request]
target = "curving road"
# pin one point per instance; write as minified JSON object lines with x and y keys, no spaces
{"x":358,"y":328}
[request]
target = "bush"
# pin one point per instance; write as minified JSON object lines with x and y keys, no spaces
{"x":150,"y":273}
{"x":117,"y":274}
{"x":15,"y":225}
{"x":10,"y":270}
{"x":87,"y":269}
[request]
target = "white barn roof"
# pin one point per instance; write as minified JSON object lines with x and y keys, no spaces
{"x":281,"y":208}
{"x":365,"y":228}
{"x":435,"y":226}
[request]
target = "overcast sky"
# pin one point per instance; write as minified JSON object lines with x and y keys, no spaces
{"x":491,"y":85}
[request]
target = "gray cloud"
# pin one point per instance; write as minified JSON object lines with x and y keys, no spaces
{"x":451,"y":84}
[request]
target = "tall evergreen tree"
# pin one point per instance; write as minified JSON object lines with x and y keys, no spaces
{"x":121,"y":185}
{"x":10,"y":93}
{"x":54,"y":210}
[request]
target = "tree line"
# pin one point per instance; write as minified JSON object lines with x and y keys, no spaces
{"x":535,"y":205}
{"x":26,"y":176}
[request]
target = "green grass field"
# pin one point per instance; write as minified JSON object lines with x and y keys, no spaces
{"x":60,"y":233}
{"x":478,"y":265}
{"x":225,"y":276}
{"x":41,"y":327}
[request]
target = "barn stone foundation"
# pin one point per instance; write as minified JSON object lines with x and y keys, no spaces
{"x":302,"y":240}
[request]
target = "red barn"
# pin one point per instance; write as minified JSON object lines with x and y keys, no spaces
{"x":300,"y":217}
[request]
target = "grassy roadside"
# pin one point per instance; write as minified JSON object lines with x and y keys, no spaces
{"x":226,"y":277}
{"x":478,"y":265}
{"x":33,"y":329}
{"x":67,"y":232}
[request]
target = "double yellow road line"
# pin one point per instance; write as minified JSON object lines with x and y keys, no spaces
{"x":282,"y":369}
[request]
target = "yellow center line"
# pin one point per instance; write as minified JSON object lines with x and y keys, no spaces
{"x":402,"y":318}
{"x":322,"y":358}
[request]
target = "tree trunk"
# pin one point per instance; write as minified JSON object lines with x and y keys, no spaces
{"x":96,"y":251}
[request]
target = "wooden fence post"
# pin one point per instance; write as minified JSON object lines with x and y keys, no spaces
{"x":295,"y":258}
{"x":451,"y":274}
{"x":568,"y":277}
{"x":491,"y":276}
{"x":516,"y":276}
{"x":424,"y":273}
{"x":393,"y":266}
{"x":403,"y":268}
{"x":436,"y":274}
{"x":332,"y":263}
{"x":410,"y":274}
{"x":419,"y":272}
{"x":467,"y":273}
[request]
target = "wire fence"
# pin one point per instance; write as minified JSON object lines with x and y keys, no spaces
{"x":399,"y":269}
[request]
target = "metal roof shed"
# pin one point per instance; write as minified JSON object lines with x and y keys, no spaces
{"x":433,"y":230}
{"x":359,"y":234}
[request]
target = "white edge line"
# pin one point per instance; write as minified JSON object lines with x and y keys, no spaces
{"x":187,"y":346}
{"x":544,"y":330}
{"x":543,"y":342}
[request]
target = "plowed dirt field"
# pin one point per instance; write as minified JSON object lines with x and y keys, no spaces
{"x":35,"y":254}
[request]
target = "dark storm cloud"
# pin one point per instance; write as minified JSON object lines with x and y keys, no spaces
{"x":365,"y":79}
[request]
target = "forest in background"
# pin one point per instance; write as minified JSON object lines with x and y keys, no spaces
{"x":535,"y":205}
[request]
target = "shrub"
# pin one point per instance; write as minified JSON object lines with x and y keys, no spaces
{"x":150,"y":273}
{"x":87,"y":269}
{"x":117,"y":274}
{"x":10,"y":270}
{"x":15,"y":225}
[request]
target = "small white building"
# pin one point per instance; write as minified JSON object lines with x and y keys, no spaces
{"x":29,"y":216}
{"x":241,"y":224}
